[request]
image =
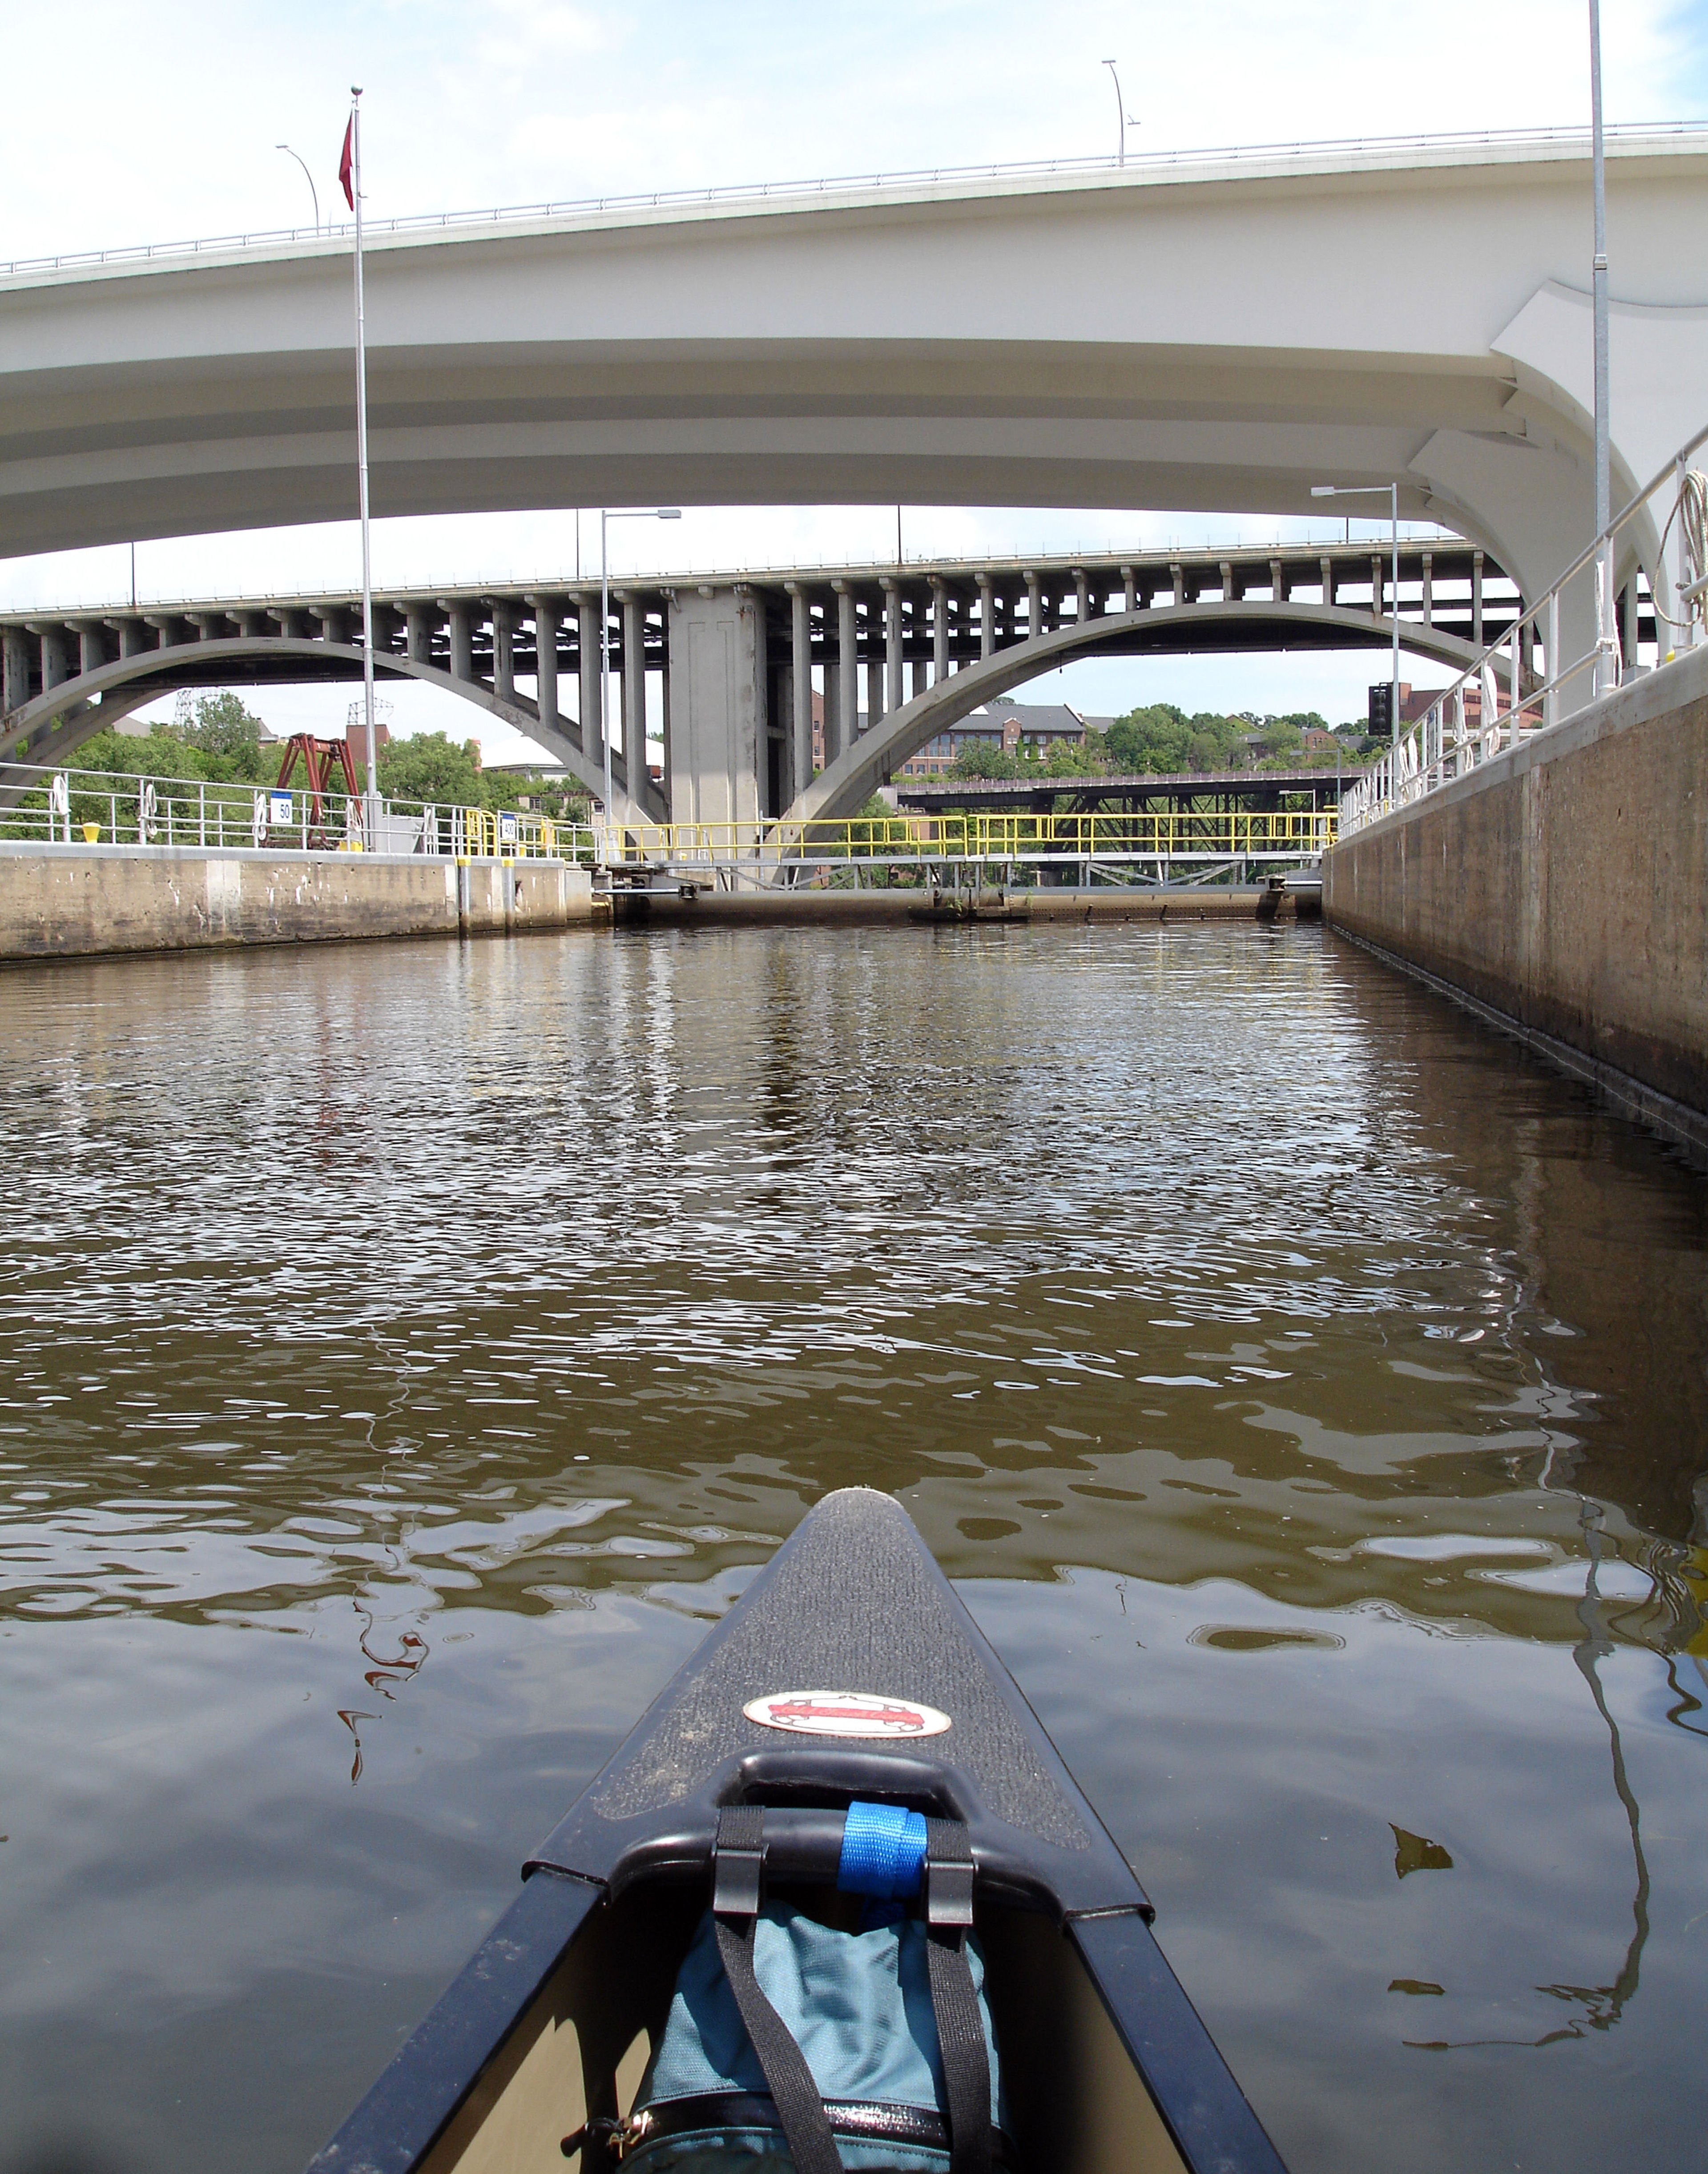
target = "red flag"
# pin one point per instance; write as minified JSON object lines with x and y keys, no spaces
{"x":344,"y":163}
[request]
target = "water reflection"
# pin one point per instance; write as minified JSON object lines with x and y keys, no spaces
{"x":406,"y":1352}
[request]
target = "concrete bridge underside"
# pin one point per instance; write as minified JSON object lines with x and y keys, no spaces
{"x":1220,"y":332}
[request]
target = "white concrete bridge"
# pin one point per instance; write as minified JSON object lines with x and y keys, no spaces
{"x":1219,"y":331}
{"x":894,"y":654}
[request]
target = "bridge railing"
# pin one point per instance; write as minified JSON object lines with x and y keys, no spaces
{"x":973,"y":837}
{"x":1136,"y":163}
{"x":1467,"y":724}
{"x":98,"y":809}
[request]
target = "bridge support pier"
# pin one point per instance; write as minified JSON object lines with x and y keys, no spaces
{"x":801,"y":685}
{"x":14,"y":671}
{"x":588,"y":653}
{"x":718,"y":723}
{"x":633,"y":686}
{"x":546,"y":661}
{"x":847,"y":703}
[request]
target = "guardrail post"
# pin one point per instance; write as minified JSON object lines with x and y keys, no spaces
{"x":1516,"y":697}
{"x":1550,"y":700}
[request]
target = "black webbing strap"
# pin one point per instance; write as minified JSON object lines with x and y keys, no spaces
{"x":738,"y":1860}
{"x":960,"y":2029}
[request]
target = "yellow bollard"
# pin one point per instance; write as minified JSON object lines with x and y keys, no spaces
{"x":91,"y":833}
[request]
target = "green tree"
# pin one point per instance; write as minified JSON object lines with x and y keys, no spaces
{"x":227,"y":731}
{"x":983,"y":758}
{"x":1066,"y":759}
{"x":428,"y":767}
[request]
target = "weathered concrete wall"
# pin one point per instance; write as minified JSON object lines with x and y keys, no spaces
{"x":72,"y":901}
{"x":1565,"y":886}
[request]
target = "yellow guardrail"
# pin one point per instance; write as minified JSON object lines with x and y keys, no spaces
{"x":981,"y":837}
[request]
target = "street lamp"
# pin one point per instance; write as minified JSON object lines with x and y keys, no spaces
{"x":1375,"y":490}
{"x":1607,"y":642}
{"x":1121,"y":115}
{"x":309,"y":177}
{"x":637,"y":513}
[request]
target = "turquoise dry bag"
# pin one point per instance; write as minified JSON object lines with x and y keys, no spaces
{"x":790,"y":2043}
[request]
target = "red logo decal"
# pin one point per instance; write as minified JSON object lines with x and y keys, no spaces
{"x":845,"y":1713}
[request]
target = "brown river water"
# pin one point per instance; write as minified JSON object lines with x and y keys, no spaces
{"x":406,"y":1352}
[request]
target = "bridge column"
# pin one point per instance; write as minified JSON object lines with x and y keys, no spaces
{"x":55,"y":668}
{"x":1082,"y":595}
{"x":801,"y":685}
{"x":545,"y":619}
{"x":1179,"y":575}
{"x":1034,"y":607}
{"x":1477,"y":599}
{"x":587,"y":671}
{"x":1377,"y":570}
{"x":418,"y":619}
{"x":892,"y":644}
{"x":1428,"y":588}
{"x":15,"y":670}
{"x":634,"y":710}
{"x":847,"y":677}
{"x":503,"y":653}
{"x":939,"y":630}
{"x":987,"y":617}
{"x":1278,"y":582}
{"x":1328,"y":566}
{"x":874,"y":690}
{"x":461,"y":641}
{"x":718,"y":707}
{"x":91,"y":644}
{"x":135,"y":635}
{"x":1129,"y":589}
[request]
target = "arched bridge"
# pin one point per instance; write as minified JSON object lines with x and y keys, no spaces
{"x":1218,"y":330}
{"x":731,"y":666}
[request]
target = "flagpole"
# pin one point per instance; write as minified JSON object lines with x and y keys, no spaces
{"x":373,"y":791}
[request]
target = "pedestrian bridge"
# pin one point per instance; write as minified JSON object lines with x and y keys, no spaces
{"x":1219,"y":331}
{"x":733,"y":661}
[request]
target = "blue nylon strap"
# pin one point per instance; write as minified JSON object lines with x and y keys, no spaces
{"x":882,"y":1852}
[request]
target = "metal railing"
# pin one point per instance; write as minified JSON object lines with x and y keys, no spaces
{"x":100,"y":809}
{"x":1446,"y":742}
{"x":342,"y":232}
{"x":999,"y":836}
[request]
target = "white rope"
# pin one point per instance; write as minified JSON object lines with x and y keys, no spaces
{"x":1690,"y":511}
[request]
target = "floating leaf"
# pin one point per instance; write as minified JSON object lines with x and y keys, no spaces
{"x":1417,"y":1853}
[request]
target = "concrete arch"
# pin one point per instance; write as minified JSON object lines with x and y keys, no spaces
{"x":859,"y":771}
{"x":73,"y":715}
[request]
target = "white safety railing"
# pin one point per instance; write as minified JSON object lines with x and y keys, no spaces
{"x":1138,"y":163}
{"x":1446,"y":742}
{"x":100,"y":809}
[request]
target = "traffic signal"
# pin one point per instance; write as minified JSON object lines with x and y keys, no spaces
{"x":1381,"y":710}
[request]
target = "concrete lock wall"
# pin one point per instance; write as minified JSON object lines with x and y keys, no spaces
{"x":1565,"y":886}
{"x":61,"y":902}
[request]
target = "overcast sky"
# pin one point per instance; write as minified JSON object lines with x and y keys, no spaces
{"x":121,"y":128}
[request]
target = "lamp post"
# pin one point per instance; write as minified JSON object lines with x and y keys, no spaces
{"x":1607,"y":647}
{"x":313,"y":192}
{"x":1123,"y":116}
{"x":606,"y":516}
{"x":1377,"y":490}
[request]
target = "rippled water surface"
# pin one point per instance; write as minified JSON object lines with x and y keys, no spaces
{"x":406,"y":1352}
